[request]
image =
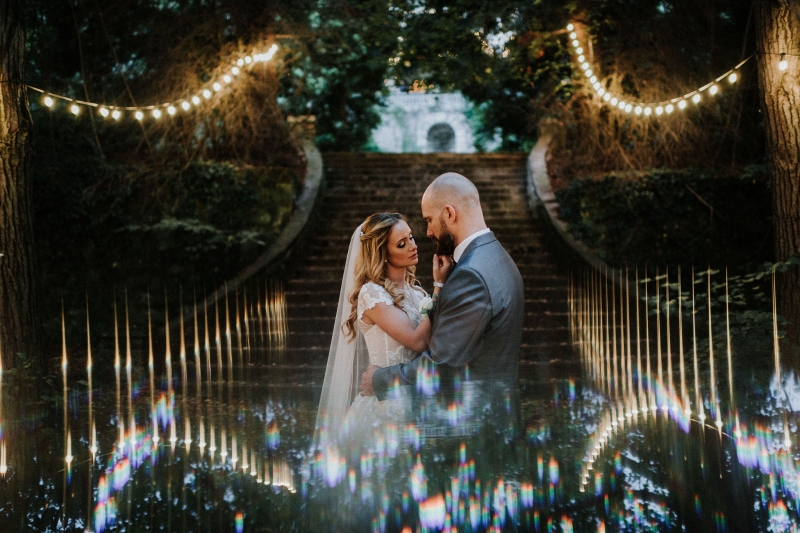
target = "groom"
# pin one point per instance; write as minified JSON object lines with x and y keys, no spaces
{"x":477,"y":322}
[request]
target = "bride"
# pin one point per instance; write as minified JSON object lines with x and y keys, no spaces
{"x":383,"y":319}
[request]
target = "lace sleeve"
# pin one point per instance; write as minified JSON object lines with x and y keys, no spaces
{"x":370,"y":295}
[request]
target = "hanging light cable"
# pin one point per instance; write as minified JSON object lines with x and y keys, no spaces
{"x":157,"y":111}
{"x":664,"y":107}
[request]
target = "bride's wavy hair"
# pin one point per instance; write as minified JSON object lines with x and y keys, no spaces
{"x":371,"y":264}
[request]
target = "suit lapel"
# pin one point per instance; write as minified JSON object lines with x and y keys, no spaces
{"x":479,"y":241}
{"x":486,"y":238}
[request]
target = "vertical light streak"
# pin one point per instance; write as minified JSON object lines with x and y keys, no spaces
{"x":714,"y":406}
{"x":698,"y":398}
{"x":153,"y":413}
{"x":728,"y":333}
{"x":684,"y":398}
{"x":117,"y":364}
{"x":671,"y":386}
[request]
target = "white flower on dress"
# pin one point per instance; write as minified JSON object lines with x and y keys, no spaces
{"x":426,"y":306}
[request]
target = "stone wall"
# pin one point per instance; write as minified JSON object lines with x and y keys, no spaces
{"x":424,"y":123}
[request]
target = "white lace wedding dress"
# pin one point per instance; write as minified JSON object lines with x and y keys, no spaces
{"x":369,"y":422}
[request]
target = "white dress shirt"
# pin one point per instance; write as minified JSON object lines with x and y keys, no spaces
{"x":459,"y":251}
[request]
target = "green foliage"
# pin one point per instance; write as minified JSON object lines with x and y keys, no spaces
{"x":501,"y":55}
{"x":671,"y":217}
{"x":101,"y":225}
{"x":746,"y":312}
{"x":338,"y":69}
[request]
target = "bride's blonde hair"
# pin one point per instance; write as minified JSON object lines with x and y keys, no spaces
{"x":371,"y":264}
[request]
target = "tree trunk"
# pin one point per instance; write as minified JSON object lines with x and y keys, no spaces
{"x":778,"y":33}
{"x":19,"y":321}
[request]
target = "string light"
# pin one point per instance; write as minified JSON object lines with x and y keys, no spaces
{"x":157,"y":111}
{"x":783,"y":64}
{"x":647,"y":109}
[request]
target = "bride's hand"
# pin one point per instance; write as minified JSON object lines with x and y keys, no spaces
{"x":442,"y":265}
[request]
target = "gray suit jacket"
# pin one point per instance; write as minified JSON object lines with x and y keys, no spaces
{"x":477,"y":323}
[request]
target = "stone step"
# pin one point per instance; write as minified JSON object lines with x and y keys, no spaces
{"x":330,"y":293}
{"x":334,"y":270}
{"x":530,"y":337}
{"x":324,"y":324}
{"x":533,"y":283}
{"x":544,"y":353}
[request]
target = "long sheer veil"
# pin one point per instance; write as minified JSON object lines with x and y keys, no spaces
{"x":346,"y":360}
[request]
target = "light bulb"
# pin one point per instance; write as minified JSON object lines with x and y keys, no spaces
{"x":226,"y":78}
{"x":116,"y":114}
{"x":581,"y":59}
{"x":156,"y":113}
{"x":103,"y":112}
{"x":783,"y":64}
{"x":669,"y":109}
{"x":638,"y":110}
{"x":696,"y":98}
{"x":601,"y":91}
{"x":606,"y":96}
{"x":733,"y":77}
{"x":682,"y":104}
{"x":248,"y":59}
{"x":621,"y":105}
{"x":659,"y":110}
{"x":139,"y":115}
{"x":593,"y":79}
{"x":614,"y":101}
{"x":713,"y":89}
{"x":648,"y":111}
{"x":196,"y":100}
{"x":235,"y":71}
{"x":185,"y":105}
{"x":575,"y":43}
{"x":579,"y":51}
{"x":171,"y":110}
{"x":217,"y":86}
{"x":240,"y":62}
{"x":207,"y":94}
{"x":570,"y":26}
{"x":589,"y":73}
{"x":596,"y":85}
{"x":48,"y":101}
{"x":573,"y":35}
{"x":628,"y":108}
{"x":75,"y":109}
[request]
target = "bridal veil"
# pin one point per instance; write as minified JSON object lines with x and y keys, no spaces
{"x":346,"y":360}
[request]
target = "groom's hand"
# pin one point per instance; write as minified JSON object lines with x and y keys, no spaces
{"x":366,"y":381}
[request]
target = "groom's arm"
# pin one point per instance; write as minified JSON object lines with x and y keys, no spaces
{"x":464,"y":312}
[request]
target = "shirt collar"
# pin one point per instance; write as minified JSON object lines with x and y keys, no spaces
{"x":461,"y":248}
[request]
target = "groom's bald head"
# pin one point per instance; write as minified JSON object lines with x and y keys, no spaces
{"x":455,"y":190}
{"x":451,"y":205}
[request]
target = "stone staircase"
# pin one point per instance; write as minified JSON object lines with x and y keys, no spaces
{"x":361,"y":184}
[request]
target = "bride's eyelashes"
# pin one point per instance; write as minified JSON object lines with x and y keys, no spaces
{"x":402,"y":244}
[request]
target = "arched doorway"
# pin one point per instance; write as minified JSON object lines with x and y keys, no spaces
{"x":441,"y":138}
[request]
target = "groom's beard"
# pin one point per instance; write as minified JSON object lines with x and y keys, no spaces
{"x":445,"y":243}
